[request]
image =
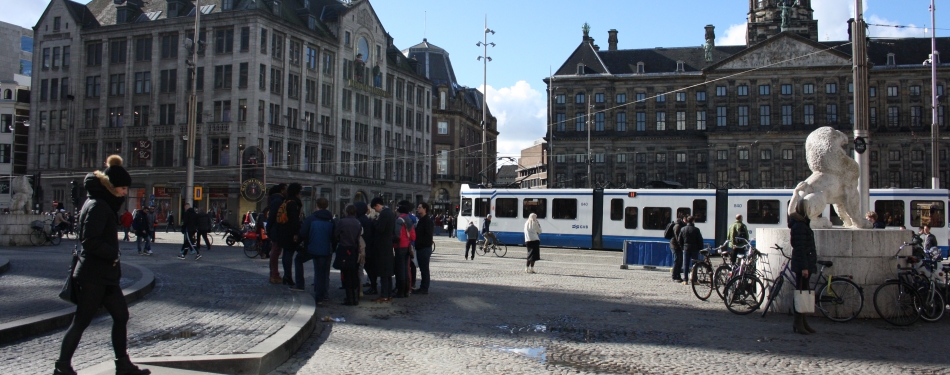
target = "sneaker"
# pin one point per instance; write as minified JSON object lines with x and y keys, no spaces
{"x":198,"y":257}
{"x":149,"y":253}
{"x":182,"y":257}
{"x":296,"y":289}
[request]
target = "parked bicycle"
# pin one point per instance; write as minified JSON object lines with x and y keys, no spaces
{"x":496,"y":247}
{"x":897,"y":301}
{"x":39,"y":236}
{"x":837,"y":297}
{"x":704,"y":281}
{"x":745,"y":291}
{"x":725,"y":270}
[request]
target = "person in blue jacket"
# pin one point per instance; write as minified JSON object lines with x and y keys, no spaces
{"x":317,"y":235}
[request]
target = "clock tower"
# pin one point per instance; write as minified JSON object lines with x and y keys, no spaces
{"x":770,"y":17}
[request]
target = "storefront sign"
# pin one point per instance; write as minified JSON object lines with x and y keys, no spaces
{"x":252,"y":189}
{"x":360,"y":181}
{"x":165,"y":192}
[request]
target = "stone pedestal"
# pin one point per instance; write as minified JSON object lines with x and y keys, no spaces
{"x":15,"y":229}
{"x":866,"y":255}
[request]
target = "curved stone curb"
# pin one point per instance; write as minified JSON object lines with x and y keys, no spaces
{"x":32,"y":326}
{"x":4,"y":264}
{"x":259,"y":360}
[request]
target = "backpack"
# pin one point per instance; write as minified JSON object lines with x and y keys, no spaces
{"x":669,"y":233}
{"x":203,"y":222}
{"x":744,"y":232}
{"x":282,"y":213}
{"x":138,"y":222}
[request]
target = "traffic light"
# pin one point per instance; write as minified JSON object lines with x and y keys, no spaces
{"x":74,"y":193}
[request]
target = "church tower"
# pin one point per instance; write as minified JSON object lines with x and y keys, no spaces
{"x":770,"y":17}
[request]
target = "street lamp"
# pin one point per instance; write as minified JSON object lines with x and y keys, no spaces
{"x":935,"y":129}
{"x":189,"y":138}
{"x":485,"y":59}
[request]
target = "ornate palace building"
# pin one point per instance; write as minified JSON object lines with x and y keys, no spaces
{"x":736,"y":116}
{"x":318,"y":85}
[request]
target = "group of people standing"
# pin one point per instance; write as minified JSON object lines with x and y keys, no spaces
{"x":383,"y":246}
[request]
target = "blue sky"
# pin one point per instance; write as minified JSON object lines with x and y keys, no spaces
{"x":533,"y":37}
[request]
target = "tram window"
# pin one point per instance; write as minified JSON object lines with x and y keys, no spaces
{"x":927,"y":213}
{"x":835,"y":219}
{"x":762,"y":211}
{"x":682,"y":212}
{"x":890,"y":212}
{"x":467,"y":207}
{"x":482,"y":207}
{"x":506,"y":207}
{"x":699,"y":210}
{"x":537,"y":206}
{"x":564,"y":209}
{"x":616,"y":209}
{"x":630,"y":217}
{"x":656,"y":217}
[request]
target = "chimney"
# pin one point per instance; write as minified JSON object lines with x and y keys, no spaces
{"x":612,"y":40}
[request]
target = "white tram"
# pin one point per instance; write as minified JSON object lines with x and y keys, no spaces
{"x":603,"y":219}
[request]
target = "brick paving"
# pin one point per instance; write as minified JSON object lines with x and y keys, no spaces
{"x":582,"y":314}
{"x":221,"y":304}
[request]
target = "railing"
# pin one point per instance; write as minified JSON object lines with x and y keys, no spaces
{"x":313,"y":137}
{"x":219,"y":128}
{"x":295,"y":134}
{"x":138,"y":131}
{"x":183,"y":129}
{"x":88,"y":133}
{"x":328,"y":139}
{"x":277,"y":130}
{"x":163,"y":130}
{"x":112,"y":133}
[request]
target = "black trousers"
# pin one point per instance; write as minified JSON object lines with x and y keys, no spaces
{"x":202,"y":234}
{"x":91,"y":297}
{"x":470,"y":244}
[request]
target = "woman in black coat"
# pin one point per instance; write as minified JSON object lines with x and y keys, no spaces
{"x":98,"y":270}
{"x":804,"y":259}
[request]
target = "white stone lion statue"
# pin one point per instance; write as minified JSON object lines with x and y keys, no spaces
{"x":22,"y":195}
{"x":834,"y":180}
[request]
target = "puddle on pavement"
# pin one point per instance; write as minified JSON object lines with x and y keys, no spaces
{"x":536,"y":353}
{"x":512,"y":328}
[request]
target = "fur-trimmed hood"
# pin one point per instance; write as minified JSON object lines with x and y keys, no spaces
{"x":99,"y":187}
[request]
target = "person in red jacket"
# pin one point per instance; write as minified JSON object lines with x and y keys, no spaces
{"x":126,"y":222}
{"x":403,"y":237}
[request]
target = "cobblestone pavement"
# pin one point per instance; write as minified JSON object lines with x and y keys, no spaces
{"x":31,"y":286}
{"x":221,"y":304}
{"x":582,"y":314}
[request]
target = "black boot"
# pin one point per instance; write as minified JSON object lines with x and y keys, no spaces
{"x":356,"y":296}
{"x":63,"y":368}
{"x":370,"y":291}
{"x":124,"y":366}
{"x":349,"y":298}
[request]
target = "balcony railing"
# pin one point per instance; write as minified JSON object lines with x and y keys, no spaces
{"x":276,"y":130}
{"x":295,"y":134}
{"x":138,"y":131}
{"x":313,"y":137}
{"x":88,"y":133}
{"x":328,"y":139}
{"x":112,"y":133}
{"x":160,"y":130}
{"x":219,"y":128}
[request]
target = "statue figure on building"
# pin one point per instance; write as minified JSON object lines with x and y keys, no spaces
{"x":22,"y":195}
{"x":834,"y":180}
{"x":710,"y":42}
{"x":786,"y":7}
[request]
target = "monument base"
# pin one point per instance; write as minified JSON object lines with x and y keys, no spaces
{"x":15,"y":229}
{"x":866,"y":256}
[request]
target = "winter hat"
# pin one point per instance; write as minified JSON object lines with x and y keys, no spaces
{"x":118,"y":176}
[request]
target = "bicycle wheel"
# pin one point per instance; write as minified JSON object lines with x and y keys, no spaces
{"x":842,"y":301}
{"x":744,"y":294}
{"x":37,"y":237}
{"x":251,"y":249}
{"x":56,"y":237}
{"x":933,"y":305}
{"x":229,"y":241}
{"x":486,"y":249}
{"x":773,"y":292}
{"x":720,"y":279}
{"x":433,"y":248}
{"x":500,"y":250}
{"x":702,"y":279}
{"x":897,"y":303}
{"x":69,"y":235}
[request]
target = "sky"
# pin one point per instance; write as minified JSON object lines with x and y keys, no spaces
{"x":534,"y":37}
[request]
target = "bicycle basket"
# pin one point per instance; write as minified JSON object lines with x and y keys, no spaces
{"x":36,"y":224}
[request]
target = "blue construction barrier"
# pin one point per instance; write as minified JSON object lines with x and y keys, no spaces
{"x":647,"y":253}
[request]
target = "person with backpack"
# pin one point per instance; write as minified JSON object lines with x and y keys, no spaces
{"x":203,"y":226}
{"x":672,"y":233}
{"x":404,"y":235}
{"x":284,"y":232}
{"x":737,"y":230}
{"x":274,"y":200}
{"x":317,"y":234}
{"x":140,"y":225}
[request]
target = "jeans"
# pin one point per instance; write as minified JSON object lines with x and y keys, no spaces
{"x":424,"y":255}
{"x":688,"y":263}
{"x":91,"y":297}
{"x":142,"y":236}
{"x":321,"y":273}
{"x":402,"y":271}
{"x":274,"y":253}
{"x":126,"y":229}
{"x":677,"y":264}
{"x":470,"y":244}
{"x":288,"y":262}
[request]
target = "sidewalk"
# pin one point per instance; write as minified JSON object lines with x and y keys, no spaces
{"x":218,"y":314}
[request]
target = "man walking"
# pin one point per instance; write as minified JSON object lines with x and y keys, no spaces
{"x":141,"y":226}
{"x":317,"y":233}
{"x":170,"y":221}
{"x":424,"y":234}
{"x":737,"y":230}
{"x":189,"y":229}
{"x":152,"y":222}
{"x":471,"y":234}
{"x":383,"y":248}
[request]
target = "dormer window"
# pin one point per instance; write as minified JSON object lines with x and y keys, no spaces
{"x":227,"y":4}
{"x":679,"y":66}
{"x":276,"y":7}
{"x":580,"y":69}
{"x":172,"y":9}
{"x":311,"y":23}
{"x":640,"y":69}
{"x":890,"y":59}
{"x":121,"y":15}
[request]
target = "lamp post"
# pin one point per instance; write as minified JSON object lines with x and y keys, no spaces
{"x":192,"y":111}
{"x":935,"y":129}
{"x":485,"y":59}
{"x":861,"y":133}
{"x":589,"y":124}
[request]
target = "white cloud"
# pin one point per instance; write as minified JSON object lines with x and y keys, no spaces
{"x":734,"y":36}
{"x":833,"y":18}
{"x":892,"y":32}
{"x":522,"y":114}
{"x":23,"y":13}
